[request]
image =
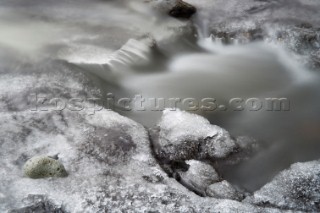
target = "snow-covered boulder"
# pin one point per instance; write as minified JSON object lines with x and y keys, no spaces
{"x":184,"y":136}
{"x":297,"y":188}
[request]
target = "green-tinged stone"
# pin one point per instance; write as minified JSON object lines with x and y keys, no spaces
{"x":43,"y":167}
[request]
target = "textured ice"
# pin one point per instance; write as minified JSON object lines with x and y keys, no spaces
{"x":296,"y":188}
{"x":183,"y":136}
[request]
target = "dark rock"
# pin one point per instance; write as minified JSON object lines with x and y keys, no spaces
{"x":182,"y":10}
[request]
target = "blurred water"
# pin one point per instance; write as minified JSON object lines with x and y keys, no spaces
{"x":86,"y":33}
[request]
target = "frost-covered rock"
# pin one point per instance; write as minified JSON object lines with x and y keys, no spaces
{"x":186,"y":144}
{"x":183,"y":136}
{"x":100,"y":152}
{"x":297,"y":188}
{"x":96,"y":150}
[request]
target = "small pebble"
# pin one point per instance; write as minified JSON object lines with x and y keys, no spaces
{"x":43,"y":167}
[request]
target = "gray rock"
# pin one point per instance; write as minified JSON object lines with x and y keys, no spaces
{"x":43,"y":166}
{"x":223,"y":190}
{"x":294,"y":189}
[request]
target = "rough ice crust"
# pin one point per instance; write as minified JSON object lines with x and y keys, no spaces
{"x":184,"y":136}
{"x":297,"y":188}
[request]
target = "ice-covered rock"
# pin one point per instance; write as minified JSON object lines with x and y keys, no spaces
{"x":98,"y":151}
{"x":294,"y":189}
{"x":183,"y":136}
{"x":187,"y":145}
